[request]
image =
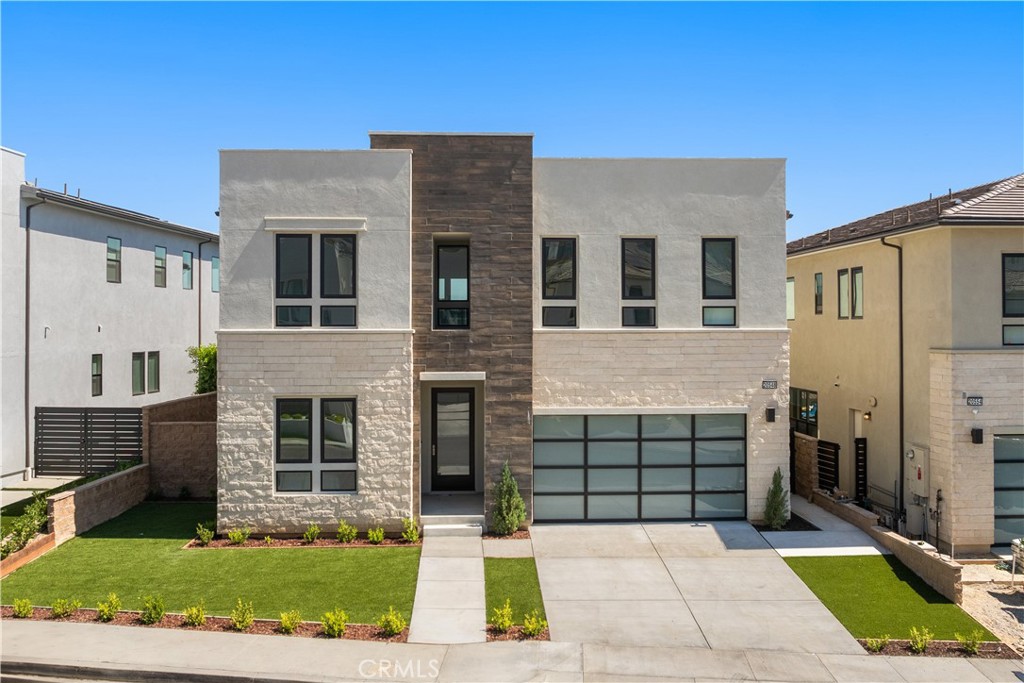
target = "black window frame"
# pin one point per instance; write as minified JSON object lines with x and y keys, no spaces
{"x":308,"y":238}
{"x":115,"y":261}
{"x":854,"y":272}
{"x":97,"y":377}
{"x":277,"y":319}
{"x":188,"y":270}
{"x":327,"y":308}
{"x":652,"y":309}
{"x":625,"y":295}
{"x":355,"y":265}
{"x":152,"y":388}
{"x":704,"y":242}
{"x":215,"y":274}
{"x":141,"y":356}
{"x":819,"y":293}
{"x":355,"y":431}
{"x":440,"y":305}
{"x":277,"y":434}
{"x":1006,"y":343}
{"x":159,"y":266}
{"x":544,"y":269}
{"x":803,"y":425}
{"x":703,"y":318}
{"x":1005,"y":256}
{"x":545,"y":322}
{"x":839,"y":293}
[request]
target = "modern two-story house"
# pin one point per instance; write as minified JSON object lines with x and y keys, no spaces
{"x":399,"y":322}
{"x":908,"y":358}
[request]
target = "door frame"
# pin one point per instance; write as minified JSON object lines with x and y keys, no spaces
{"x":442,"y":483}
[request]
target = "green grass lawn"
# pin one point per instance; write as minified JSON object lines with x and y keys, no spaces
{"x":140,"y":553}
{"x":514,"y":578}
{"x":876,"y":595}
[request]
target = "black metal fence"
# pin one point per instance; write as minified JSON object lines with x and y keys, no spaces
{"x":80,"y":441}
{"x":828,"y":465}
{"x":860,"y":456}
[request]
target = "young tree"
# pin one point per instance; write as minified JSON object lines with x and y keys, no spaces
{"x":776,"y":512}
{"x":509,"y":508}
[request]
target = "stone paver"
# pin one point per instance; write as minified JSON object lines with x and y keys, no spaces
{"x":515,"y":547}
{"x":450,"y":604}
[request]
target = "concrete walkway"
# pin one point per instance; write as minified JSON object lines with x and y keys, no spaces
{"x":450,"y":606}
{"x":99,"y":652}
{"x":20,"y":490}
{"x":835,"y":537}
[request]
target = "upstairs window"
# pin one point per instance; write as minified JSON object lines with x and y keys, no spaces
{"x":639,"y":265}
{"x":718,"y":282}
{"x":338,"y":266}
{"x":819,"y":292}
{"x":844,"y":293}
{"x":186,"y":270}
{"x":215,"y":274}
{"x":160,"y":267}
{"x":138,"y":373}
{"x":857,"y":292}
{"x":97,"y":374}
{"x":451,"y":290}
{"x":153,"y":372}
{"x":113,"y":259}
{"x":559,"y":281}
{"x":296,"y":279}
{"x":294,"y":266}
{"x":790,"y":298}
{"x":1013,"y":285}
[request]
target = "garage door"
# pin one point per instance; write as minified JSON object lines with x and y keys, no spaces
{"x":639,"y":467}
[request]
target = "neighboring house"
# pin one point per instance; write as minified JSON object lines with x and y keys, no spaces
{"x":398,"y":323}
{"x":99,"y":305}
{"x":908,"y":334}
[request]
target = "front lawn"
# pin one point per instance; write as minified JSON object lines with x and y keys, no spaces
{"x":515,"y":579}
{"x":876,"y":595}
{"x":140,"y":553}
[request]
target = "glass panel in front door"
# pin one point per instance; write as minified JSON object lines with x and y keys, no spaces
{"x":454,"y":448}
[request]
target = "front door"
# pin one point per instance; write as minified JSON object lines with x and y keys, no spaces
{"x":452,"y":440}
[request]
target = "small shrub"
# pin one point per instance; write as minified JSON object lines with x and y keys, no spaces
{"x":775,"y":514}
{"x":410,"y":530}
{"x":239,"y":536}
{"x":534,"y":624}
{"x":346,"y":532}
{"x":876,"y":644}
{"x":375,"y":535}
{"x":970,"y":643}
{"x":334,"y":623}
{"x":204,"y":534}
{"x":25,"y":527}
{"x":196,"y":614}
{"x":22,"y":608}
{"x":63,"y":608}
{"x":152,"y":609}
{"x":509,"y":508}
{"x":242,"y":615}
{"x":920,"y":639}
{"x":392,"y":622}
{"x":501,"y":619}
{"x":311,"y":533}
{"x":290,"y":621}
{"x":268,"y":540}
{"x":106,"y":611}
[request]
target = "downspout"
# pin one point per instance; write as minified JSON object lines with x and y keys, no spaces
{"x":899,"y":287}
{"x":28,"y":313}
{"x":199,"y":286}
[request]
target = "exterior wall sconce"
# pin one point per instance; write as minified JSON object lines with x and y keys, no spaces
{"x":769,"y":414}
{"x":977,"y":435}
{"x":867,"y":416}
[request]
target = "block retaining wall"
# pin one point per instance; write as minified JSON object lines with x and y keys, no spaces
{"x":76,"y":511}
{"x":179,"y":442}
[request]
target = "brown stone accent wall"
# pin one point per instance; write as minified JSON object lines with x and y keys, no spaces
{"x":480,"y":185}
{"x":179,"y":442}
{"x":76,"y":511}
{"x":806,"y":465}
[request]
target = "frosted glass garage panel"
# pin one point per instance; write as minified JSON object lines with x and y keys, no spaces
{"x":558,"y":481}
{"x":666,"y":426}
{"x":611,"y":426}
{"x":611,"y":507}
{"x":610,"y":481}
{"x":720,"y":426}
{"x":558,"y":507}
{"x":666,"y":479}
{"x":1009,"y":473}
{"x":720,"y":453}
{"x":719,"y":505}
{"x":1009,"y":502}
{"x":667,"y":452}
{"x":720,"y":478}
{"x":611,"y":453}
{"x":1009,"y":529}
{"x":666,"y":506}
{"x":558,"y":427}
{"x":566,"y":453}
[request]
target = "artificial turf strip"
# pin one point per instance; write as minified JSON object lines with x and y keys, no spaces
{"x":876,"y":595}
{"x":515,"y":579}
{"x":140,"y":553}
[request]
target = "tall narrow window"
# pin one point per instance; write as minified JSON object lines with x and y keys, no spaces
{"x":638,"y":268}
{"x":818,"y":293}
{"x":1013,"y":285}
{"x":215,"y":274}
{"x":857,"y":292}
{"x":97,"y":374}
{"x":113,"y":259}
{"x":160,"y":266}
{"x":719,"y":268}
{"x":138,"y":373}
{"x":559,"y":280}
{"x":153,"y":372}
{"x":337,"y":266}
{"x":844,"y":293}
{"x":186,"y":270}
{"x":790,"y":298}
{"x":451,"y":290}
{"x":294,"y":266}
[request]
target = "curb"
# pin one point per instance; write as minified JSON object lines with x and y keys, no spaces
{"x":36,"y":669}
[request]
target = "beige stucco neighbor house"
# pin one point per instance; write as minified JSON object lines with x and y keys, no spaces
{"x":399,"y":322}
{"x":908,"y":347}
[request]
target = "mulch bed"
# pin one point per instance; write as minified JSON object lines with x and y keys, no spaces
{"x":518,"y":535}
{"x":795,"y":523}
{"x":267,"y":627}
{"x":299,"y":543}
{"x":514,"y":633}
{"x":945,"y":648}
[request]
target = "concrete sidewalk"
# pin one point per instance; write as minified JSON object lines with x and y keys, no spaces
{"x":835,"y":537}
{"x":101,"y":652}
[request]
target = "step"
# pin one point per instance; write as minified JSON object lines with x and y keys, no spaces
{"x":452,"y":530}
{"x":452,"y":519}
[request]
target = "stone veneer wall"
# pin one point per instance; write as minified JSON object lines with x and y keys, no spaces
{"x":76,"y":511}
{"x":577,"y":369}
{"x":179,"y":441}
{"x":257,"y":367}
{"x":964,"y":470}
{"x":806,"y":465}
{"x":480,"y":186}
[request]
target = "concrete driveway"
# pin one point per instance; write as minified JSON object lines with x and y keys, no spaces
{"x":716,"y":585}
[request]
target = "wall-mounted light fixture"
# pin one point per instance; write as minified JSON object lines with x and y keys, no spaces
{"x":769,"y":411}
{"x":867,"y":416}
{"x":977,"y":435}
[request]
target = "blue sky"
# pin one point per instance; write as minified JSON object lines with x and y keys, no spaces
{"x":874,"y":105}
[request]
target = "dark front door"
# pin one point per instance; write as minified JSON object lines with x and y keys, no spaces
{"x":452,"y":440}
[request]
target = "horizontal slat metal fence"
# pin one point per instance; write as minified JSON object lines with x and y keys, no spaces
{"x":828,"y":465}
{"x":81,"y":441}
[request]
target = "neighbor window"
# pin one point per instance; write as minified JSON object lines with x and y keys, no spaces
{"x":790,"y":299}
{"x":138,"y":373}
{"x":294,"y":266}
{"x":857,"y":292}
{"x":215,"y":274}
{"x":113,"y":259}
{"x":153,"y":372}
{"x":97,"y":374}
{"x":559,"y":280}
{"x":818,"y":293}
{"x":160,"y":266}
{"x":719,"y":263}
{"x":451,"y":289}
{"x":315,"y":456}
{"x":803,"y":411}
{"x":1013,"y":335}
{"x":719,"y":316}
{"x":337,"y":266}
{"x":1013,"y":285}
{"x":186,"y":270}
{"x":844,"y":293}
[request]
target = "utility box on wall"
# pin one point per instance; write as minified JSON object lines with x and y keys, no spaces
{"x":916,"y":470}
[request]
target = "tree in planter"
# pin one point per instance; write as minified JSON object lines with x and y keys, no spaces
{"x":776,"y":512}
{"x":204,"y":365}
{"x":509,"y":508}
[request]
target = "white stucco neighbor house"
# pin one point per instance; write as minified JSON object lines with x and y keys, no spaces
{"x":398,"y":323}
{"x":99,"y":304}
